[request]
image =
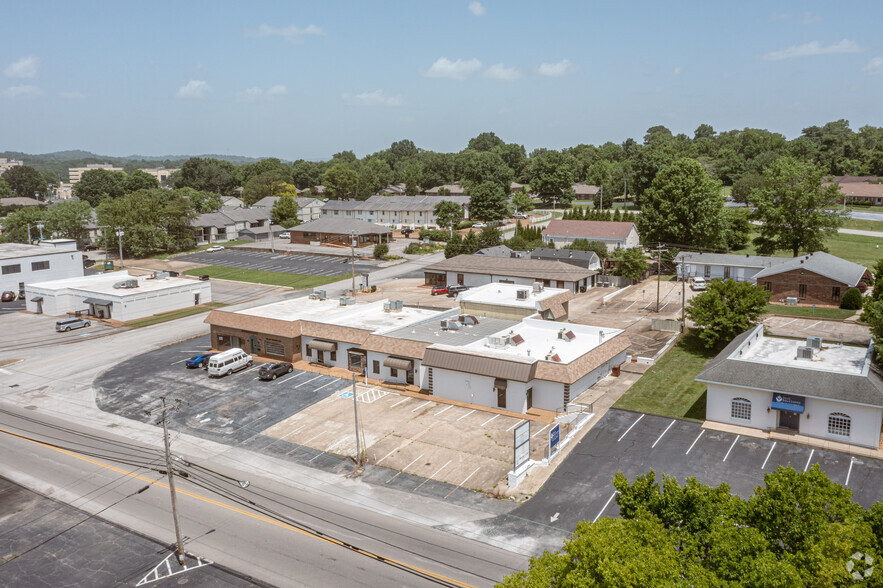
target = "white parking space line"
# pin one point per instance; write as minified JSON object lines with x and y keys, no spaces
{"x":631,"y":305}
{"x":335,"y":381}
{"x":663,"y":433}
{"x":387,"y":455}
{"x":466,"y":415}
{"x":432,"y":477}
{"x":606,"y":504}
{"x":731,"y":448}
{"x":460,"y":485}
{"x":513,"y":426}
{"x":702,"y":432}
{"x":806,"y":467}
{"x":540,"y":431}
{"x":768,"y":455}
{"x":428,"y":402}
{"x":849,"y":471}
{"x":788,"y":323}
{"x":444,"y":409}
{"x":403,"y":469}
{"x":313,"y":437}
{"x":812,"y":326}
{"x":400,"y":402}
{"x":179,"y":361}
{"x":490,"y":419}
{"x":630,"y":428}
{"x":308,"y":381}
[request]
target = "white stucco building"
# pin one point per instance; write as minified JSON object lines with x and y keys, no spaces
{"x":812,"y":387}
{"x":23,"y":264}
{"x":97,"y":295}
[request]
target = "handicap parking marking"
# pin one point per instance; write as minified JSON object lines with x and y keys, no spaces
{"x":347,"y":394}
{"x":630,"y":428}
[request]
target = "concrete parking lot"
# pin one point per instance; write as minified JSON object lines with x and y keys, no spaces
{"x":633,"y":443}
{"x":292,"y":263}
{"x":784,"y":326}
{"x":22,"y":330}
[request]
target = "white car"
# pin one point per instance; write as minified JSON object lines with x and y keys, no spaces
{"x":214,"y":248}
{"x":479,"y":225}
{"x":285,"y":235}
{"x":698,"y":284}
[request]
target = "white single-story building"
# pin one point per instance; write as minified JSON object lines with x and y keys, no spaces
{"x":478,"y":270}
{"x":812,"y":387}
{"x":724,"y":266}
{"x":116,"y":295}
{"x":622,"y":235}
{"x":52,"y":259}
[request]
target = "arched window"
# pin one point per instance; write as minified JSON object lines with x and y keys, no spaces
{"x":839,"y":424}
{"x":740,"y":408}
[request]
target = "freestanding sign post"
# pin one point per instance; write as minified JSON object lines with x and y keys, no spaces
{"x":522,"y":444}
{"x":554,"y":438}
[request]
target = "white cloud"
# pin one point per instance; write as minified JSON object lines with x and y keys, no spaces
{"x":813,"y":48}
{"x":780,"y":16}
{"x":476,"y":8}
{"x":874,"y":67}
{"x":194,"y":89}
{"x":502,"y":73}
{"x":375,"y":98}
{"x":26,"y":67}
{"x":556,"y":70}
{"x":810,"y":18}
{"x":74,"y":95}
{"x":23,"y":91}
{"x":455,"y":70}
{"x":255,"y":94}
{"x":678,"y":70}
{"x":290,"y":33}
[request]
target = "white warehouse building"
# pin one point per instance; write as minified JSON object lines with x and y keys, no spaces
{"x":23,"y":264}
{"x":116,"y":295}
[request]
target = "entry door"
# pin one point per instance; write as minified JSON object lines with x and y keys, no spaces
{"x":789,"y":420}
{"x":409,"y":377}
{"x":255,"y":345}
{"x":529,"y":398}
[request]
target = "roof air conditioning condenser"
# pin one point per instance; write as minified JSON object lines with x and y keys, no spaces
{"x":804,"y":353}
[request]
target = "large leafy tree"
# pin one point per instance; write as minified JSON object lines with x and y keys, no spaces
{"x":448,"y":214}
{"x":260,"y":186}
{"x":306,"y":174}
{"x":208,"y":175}
{"x":484,"y":142}
{"x":489,"y":237}
{"x":374,"y":175}
{"x":522,"y":202}
{"x":202,"y":202}
{"x":284,"y":211}
{"x":340,"y":180}
{"x":5,"y":190}
{"x":551,"y":177}
{"x":725,"y":309}
{"x":683,"y":206}
{"x":484,"y":167}
{"x":25,"y":181}
{"x":70,"y":219}
{"x":97,"y":185}
{"x":152,"y":220}
{"x":269,"y":165}
{"x":487,"y":202}
{"x":632,"y":264}
{"x":15,"y":225}
{"x":797,"y":212}
{"x":139,"y":180}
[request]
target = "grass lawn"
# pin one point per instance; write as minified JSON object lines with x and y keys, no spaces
{"x":197,"y":249}
{"x":856,"y":248}
{"x":726,"y":190}
{"x":828,"y":313}
{"x":876,"y":209}
{"x":175,"y":314}
{"x":863,"y":224}
{"x":668,"y":388}
{"x":296,"y":281}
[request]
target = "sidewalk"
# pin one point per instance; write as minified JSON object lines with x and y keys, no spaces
{"x":795,"y":438}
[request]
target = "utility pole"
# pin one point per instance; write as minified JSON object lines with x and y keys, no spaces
{"x":165,"y":433}
{"x":104,"y":234}
{"x":120,"y":237}
{"x":602,"y":196}
{"x":356,"y":414}
{"x":683,"y":295}
{"x":659,"y":250}
{"x":353,"y":259}
{"x":272,"y":236}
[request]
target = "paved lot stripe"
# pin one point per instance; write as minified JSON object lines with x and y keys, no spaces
{"x":449,"y":407}
{"x":809,"y":459}
{"x":490,"y":419}
{"x":428,"y":402}
{"x":541,"y":430}
{"x":788,"y":323}
{"x":401,"y":401}
{"x":390,"y":453}
{"x":466,"y":415}
{"x":308,"y":381}
{"x":513,"y":426}
{"x":630,"y":428}
{"x":403,"y":469}
{"x":731,"y":448}
{"x":463,"y":482}
{"x":702,"y":432}
{"x":432,"y":477}
{"x":849,"y":471}
{"x":606,"y":504}
{"x":663,"y":433}
{"x":812,"y":325}
{"x":768,"y":455}
{"x":335,"y":381}
{"x":313,"y":437}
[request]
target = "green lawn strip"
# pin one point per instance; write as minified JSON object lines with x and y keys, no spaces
{"x":197,"y":249}
{"x":856,"y":248}
{"x":827,"y":313}
{"x":296,"y":281}
{"x":668,"y":388}
{"x":864,"y":224}
{"x":175,"y":314}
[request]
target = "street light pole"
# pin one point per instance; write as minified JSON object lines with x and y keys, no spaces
{"x":353,"y":259}
{"x":119,"y":235}
{"x":272,"y":236}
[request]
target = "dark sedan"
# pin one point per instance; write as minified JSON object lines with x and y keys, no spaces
{"x":199,"y":361}
{"x":271,"y":371}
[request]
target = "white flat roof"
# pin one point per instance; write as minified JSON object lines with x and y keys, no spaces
{"x":15,"y":250}
{"x":507,"y":295}
{"x":846,"y":359}
{"x":366,"y":315}
{"x":541,"y":337}
{"x":102,"y":284}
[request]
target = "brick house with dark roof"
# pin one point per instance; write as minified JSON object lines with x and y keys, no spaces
{"x":816,"y":278}
{"x":614,"y":234}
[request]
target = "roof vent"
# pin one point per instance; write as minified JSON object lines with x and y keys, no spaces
{"x":814,"y":342}
{"x":497,"y":341}
{"x":804,"y":352}
{"x":449,"y":325}
{"x":537,"y":286}
{"x":552,"y":356}
{"x":318,"y":295}
{"x":522,"y":294}
{"x":566,"y":335}
{"x":467,"y":319}
{"x":517,"y":340}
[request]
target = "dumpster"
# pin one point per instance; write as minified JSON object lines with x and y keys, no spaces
{"x":108,"y":265}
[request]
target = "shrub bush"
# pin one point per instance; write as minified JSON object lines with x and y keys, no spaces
{"x":464,"y":225}
{"x":852,"y":299}
{"x":380,"y":250}
{"x":435,"y":235}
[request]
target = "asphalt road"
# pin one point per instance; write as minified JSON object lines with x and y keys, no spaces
{"x":270,"y":531}
{"x":315,"y":265}
{"x":14,"y":306}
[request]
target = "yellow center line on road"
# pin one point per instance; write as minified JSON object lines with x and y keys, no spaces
{"x":237,"y":510}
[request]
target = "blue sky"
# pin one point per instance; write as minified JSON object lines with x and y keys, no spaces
{"x":305,"y":80}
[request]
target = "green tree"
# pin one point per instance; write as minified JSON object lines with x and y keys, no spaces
{"x":487,"y":202}
{"x":470,"y":243}
{"x":374,"y":175}
{"x":202,"y":202}
{"x":5,"y":190}
{"x":489,"y":237}
{"x":15,"y":225}
{"x":873,"y":316}
{"x":484,"y":167}
{"x":683,"y":206}
{"x":485,"y":142}
{"x":632,"y":264}
{"x":208,"y":175}
{"x":412,"y":175}
{"x":454,"y":246}
{"x":306,"y":174}
{"x":97,"y":185}
{"x":725,"y":309}
{"x":264,"y":166}
{"x":152,"y":220}
{"x":514,"y":156}
{"x":284,"y":211}
{"x":139,"y":180}
{"x":737,"y":223}
{"x":852,"y":299}
{"x":448,"y":214}
{"x":746,"y":184}
{"x":551,"y":177}
{"x":25,"y":181}
{"x":260,"y":186}
{"x":797,"y":212}
{"x":340,"y":181}
{"x":69,"y":220}
{"x":522,"y":202}
{"x":380,"y":250}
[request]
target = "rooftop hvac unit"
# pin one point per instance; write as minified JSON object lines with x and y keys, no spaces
{"x":497,"y":341}
{"x":386,"y":306}
{"x":347,"y":300}
{"x":537,"y":286}
{"x":791,"y":301}
{"x":814,"y":342}
{"x":522,"y":294}
{"x":126,"y":284}
{"x":566,"y":335}
{"x":320,"y":294}
{"x":804,"y":352}
{"x":448,"y":325}
{"x":396,"y":305}
{"x":467,"y":319}
{"x":160,"y":275}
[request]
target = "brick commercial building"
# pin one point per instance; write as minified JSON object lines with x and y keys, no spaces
{"x":817,"y":278}
{"x":340,"y":232}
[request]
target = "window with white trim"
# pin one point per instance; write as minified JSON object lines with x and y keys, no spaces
{"x":839,"y":424}
{"x":740,"y":408}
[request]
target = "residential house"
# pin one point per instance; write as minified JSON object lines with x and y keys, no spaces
{"x":226,"y":224}
{"x":613,"y":234}
{"x":584,"y":259}
{"x":393,"y":211}
{"x":478,"y":270}
{"x":816,"y":278}
{"x":584,"y":191}
{"x":724,"y":266}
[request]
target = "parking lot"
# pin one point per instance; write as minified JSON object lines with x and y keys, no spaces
{"x":633,"y":443}
{"x":789,"y":326}
{"x":24,"y":330}
{"x":294,"y":263}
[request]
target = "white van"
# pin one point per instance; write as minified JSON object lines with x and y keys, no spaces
{"x":227,"y":362}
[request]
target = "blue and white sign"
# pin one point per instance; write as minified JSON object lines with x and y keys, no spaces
{"x":554,"y":438}
{"x":788,"y":402}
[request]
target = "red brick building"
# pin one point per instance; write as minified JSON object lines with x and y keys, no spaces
{"x":817,"y":278}
{"x":340,"y":232}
